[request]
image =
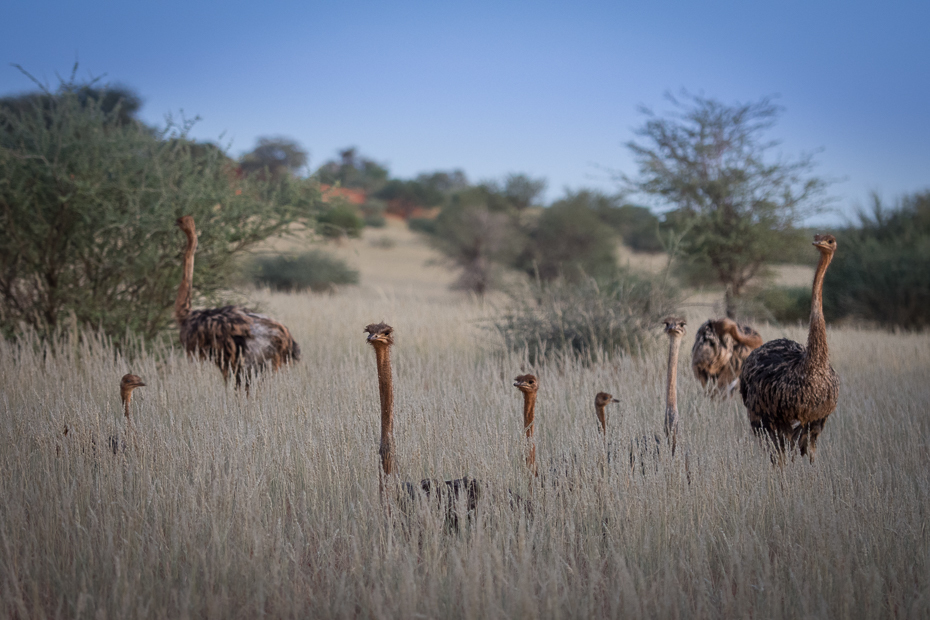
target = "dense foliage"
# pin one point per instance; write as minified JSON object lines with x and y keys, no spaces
{"x":881,"y":272}
{"x":316,"y":271}
{"x":570,"y":241}
{"x":88,"y":203}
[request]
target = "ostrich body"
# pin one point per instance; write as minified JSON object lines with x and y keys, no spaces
{"x":445,"y":492}
{"x":675,"y":328}
{"x":529,"y":386}
{"x":127,"y":384}
{"x":600,"y":409}
{"x":720,"y":348}
{"x":789,"y":390}
{"x":237,"y":340}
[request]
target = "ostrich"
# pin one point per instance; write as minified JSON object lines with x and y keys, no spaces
{"x":239,"y":341}
{"x":127,"y":384}
{"x":789,"y":390}
{"x":529,"y":386}
{"x":720,"y":348}
{"x":381,"y":338}
{"x":600,"y":409}
{"x":675,"y":328}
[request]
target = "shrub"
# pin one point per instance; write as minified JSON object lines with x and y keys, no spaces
{"x":316,"y":270}
{"x":585,"y":319}
{"x":781,"y":304}
{"x":881,"y":271}
{"x":637,"y":226}
{"x":424,"y":225}
{"x":338,"y":222}
{"x":478,"y":240}
{"x":569,"y":241}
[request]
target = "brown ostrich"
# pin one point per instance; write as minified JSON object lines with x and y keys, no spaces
{"x":789,"y":390}
{"x":529,"y":386}
{"x":239,"y":341}
{"x":675,"y":328}
{"x":720,"y":348}
{"x":601,"y":400}
{"x":127,"y":384}
{"x":446,"y":492}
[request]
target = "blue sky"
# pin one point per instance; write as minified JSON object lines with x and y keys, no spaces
{"x":550,"y":89}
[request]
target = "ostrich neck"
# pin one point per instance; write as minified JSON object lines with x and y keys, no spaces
{"x":182,"y":305}
{"x":672,"y":379}
{"x":601,"y":412}
{"x":753,"y":341}
{"x":386,"y":389}
{"x":126,"y":396}
{"x":817,"y":354}
{"x":529,"y":408}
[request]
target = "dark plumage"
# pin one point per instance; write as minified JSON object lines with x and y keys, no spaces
{"x":239,"y":341}
{"x":789,"y":390}
{"x":717,"y":355}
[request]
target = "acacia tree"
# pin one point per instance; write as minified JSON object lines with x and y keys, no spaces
{"x":88,"y":204}
{"x":734,"y":203}
{"x":274,"y":156}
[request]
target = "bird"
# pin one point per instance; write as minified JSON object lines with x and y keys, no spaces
{"x":675,"y":329}
{"x":238,"y":340}
{"x":529,"y":385}
{"x":446,"y":492}
{"x":789,"y":390}
{"x":127,"y":384}
{"x":720,"y":348}
{"x":601,"y":400}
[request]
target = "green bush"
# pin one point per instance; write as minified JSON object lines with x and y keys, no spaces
{"x":787,"y":305}
{"x":316,"y":270}
{"x":637,"y":226}
{"x":340,"y":221}
{"x":881,"y":271}
{"x":585,"y":320}
{"x":569,"y":241}
{"x":88,"y":201}
{"x":424,"y":225}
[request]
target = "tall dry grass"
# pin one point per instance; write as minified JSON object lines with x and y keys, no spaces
{"x":223,"y":506}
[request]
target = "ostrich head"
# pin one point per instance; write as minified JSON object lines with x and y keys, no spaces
{"x":603,"y":399}
{"x":380,"y":334}
{"x":825,"y":243}
{"x":674,"y":326}
{"x":526,"y":384}
{"x":186,"y":223}
{"x":127,"y":384}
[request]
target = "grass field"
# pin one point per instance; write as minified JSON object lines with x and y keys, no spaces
{"x":224,"y":506}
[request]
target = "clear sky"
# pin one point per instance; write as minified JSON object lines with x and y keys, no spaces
{"x":550,"y":89}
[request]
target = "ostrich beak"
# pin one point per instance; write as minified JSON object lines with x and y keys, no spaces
{"x":615,"y":401}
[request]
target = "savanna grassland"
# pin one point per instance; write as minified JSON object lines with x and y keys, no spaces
{"x":223,"y":506}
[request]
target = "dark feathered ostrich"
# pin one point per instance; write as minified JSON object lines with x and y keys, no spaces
{"x":789,"y":390}
{"x":237,"y":340}
{"x":720,"y":348}
{"x":443,"y":492}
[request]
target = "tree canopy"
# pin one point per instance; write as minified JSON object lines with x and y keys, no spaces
{"x":732,"y":203}
{"x":89,"y":196}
